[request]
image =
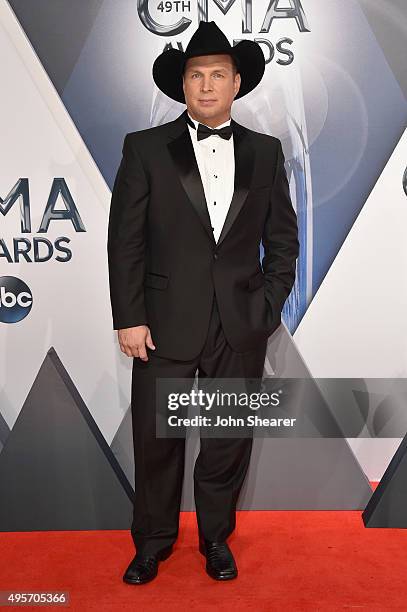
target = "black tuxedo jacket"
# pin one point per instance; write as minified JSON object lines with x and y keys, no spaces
{"x":164,"y":263}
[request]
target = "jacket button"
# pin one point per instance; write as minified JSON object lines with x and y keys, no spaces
{"x":215,"y":256}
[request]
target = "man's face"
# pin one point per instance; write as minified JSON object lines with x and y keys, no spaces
{"x":210,"y":86}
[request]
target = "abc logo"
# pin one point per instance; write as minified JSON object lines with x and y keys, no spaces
{"x":15,"y":299}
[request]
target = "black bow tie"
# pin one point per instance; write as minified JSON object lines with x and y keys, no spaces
{"x":204,"y":131}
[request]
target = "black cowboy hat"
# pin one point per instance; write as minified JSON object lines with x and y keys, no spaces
{"x":207,"y":40}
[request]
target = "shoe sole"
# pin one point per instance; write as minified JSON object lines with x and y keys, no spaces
{"x":222,"y":578}
{"x":128,"y":581}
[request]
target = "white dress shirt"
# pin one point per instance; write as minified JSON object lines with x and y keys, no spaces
{"x":216,"y":162}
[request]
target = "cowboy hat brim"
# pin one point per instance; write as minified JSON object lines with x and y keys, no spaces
{"x":168,"y":68}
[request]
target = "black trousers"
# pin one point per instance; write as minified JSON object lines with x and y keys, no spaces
{"x":221,"y":465}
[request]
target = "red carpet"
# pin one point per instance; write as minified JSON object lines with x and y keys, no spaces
{"x":287,"y":561}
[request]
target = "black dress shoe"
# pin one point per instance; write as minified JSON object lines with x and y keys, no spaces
{"x":144,"y":567}
{"x":220,"y":563}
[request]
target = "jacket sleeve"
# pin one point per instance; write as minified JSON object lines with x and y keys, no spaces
{"x":280,"y":242}
{"x":126,"y":240}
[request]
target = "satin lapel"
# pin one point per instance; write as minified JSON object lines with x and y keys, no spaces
{"x":244,"y":163}
{"x":183,"y":155}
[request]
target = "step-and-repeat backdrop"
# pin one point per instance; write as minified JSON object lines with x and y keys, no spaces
{"x":75,"y":78}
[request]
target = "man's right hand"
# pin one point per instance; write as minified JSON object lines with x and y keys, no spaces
{"x":133,"y":341}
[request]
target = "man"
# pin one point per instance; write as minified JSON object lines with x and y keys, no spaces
{"x":189,"y":209}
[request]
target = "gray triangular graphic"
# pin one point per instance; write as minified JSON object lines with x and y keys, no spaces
{"x":56,"y":469}
{"x":388,"y":23}
{"x":4,"y":432}
{"x":122,"y":447}
{"x":301,"y":473}
{"x":388,"y":505}
{"x":294,"y":474}
{"x":58,"y":32}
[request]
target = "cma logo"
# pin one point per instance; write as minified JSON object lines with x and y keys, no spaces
{"x":39,"y":249}
{"x":15,"y":299}
{"x":276,"y":10}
